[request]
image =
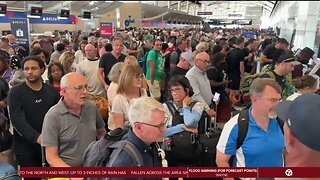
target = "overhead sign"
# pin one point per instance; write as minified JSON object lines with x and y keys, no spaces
{"x":204,"y":13}
{"x":45,"y":18}
{"x":20,"y":28}
{"x":3,"y":9}
{"x":234,"y":15}
{"x":106,"y":29}
{"x":230,"y":21}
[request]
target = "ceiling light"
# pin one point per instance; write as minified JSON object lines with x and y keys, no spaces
{"x":91,"y":3}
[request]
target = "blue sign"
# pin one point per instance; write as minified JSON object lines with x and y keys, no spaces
{"x":45,"y":18}
{"x":126,"y":22}
{"x":20,"y":28}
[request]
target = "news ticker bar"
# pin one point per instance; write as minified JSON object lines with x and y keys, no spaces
{"x":170,"y":172}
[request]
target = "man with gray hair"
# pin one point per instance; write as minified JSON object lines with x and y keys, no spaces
{"x":263,"y":143}
{"x":147,"y":117}
{"x":72,"y":124}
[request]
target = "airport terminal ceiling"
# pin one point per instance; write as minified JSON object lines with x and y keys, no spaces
{"x":218,"y":8}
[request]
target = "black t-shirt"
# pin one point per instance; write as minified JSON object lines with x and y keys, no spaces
{"x":281,"y":80}
{"x":269,"y":51}
{"x":216,"y":75}
{"x":27,"y":111}
{"x":234,"y":57}
{"x":178,"y":71}
{"x":107,"y":61}
{"x":249,"y":63}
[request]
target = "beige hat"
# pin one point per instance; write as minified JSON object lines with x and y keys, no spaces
{"x":48,"y":33}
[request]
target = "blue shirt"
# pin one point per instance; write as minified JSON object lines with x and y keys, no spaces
{"x":259,"y":149}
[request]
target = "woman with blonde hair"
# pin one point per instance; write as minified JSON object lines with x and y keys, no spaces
{"x":113,"y":76}
{"x":133,"y":61}
{"x":66,"y":60}
{"x":129,"y":88}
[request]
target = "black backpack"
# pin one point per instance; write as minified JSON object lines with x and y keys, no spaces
{"x":98,"y":153}
{"x":5,"y":135}
{"x":243,"y":123}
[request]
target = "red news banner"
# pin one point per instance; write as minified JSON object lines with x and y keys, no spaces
{"x":168,"y":172}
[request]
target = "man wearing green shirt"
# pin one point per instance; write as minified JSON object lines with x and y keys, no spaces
{"x":155,"y":69}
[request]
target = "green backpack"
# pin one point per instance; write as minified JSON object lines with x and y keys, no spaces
{"x":248,"y":80}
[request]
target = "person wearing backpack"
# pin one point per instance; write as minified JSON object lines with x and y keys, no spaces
{"x":182,"y":141}
{"x":256,"y":139}
{"x":72,"y":124}
{"x":144,"y":50}
{"x":282,"y":73}
{"x":148,"y":120}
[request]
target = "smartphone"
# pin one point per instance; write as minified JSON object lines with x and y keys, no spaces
{"x":216,"y":97}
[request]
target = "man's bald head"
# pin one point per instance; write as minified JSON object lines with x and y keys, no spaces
{"x":91,"y":51}
{"x":203,"y":55}
{"x":11,"y":38}
{"x":71,"y":79}
{"x":202,"y":61}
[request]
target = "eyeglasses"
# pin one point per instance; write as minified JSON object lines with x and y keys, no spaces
{"x":272,"y":100}
{"x":207,"y":62}
{"x":80,"y":88}
{"x":159,"y":126}
{"x":177,"y":90}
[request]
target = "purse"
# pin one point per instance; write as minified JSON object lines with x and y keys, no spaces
{"x":185,"y":146}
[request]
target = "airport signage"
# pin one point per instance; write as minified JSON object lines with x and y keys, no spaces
{"x":44,"y":19}
{"x":106,"y":29}
{"x":20,"y":28}
{"x":204,"y":13}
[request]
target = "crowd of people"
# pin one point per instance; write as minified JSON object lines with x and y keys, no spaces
{"x":47,"y":96}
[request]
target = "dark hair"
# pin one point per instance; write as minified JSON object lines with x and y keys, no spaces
{"x":240,"y":40}
{"x":50,"y":70}
{"x":38,"y":51}
{"x":5,"y":55}
{"x":33,"y":58}
{"x":304,"y":81}
{"x":108,"y":47}
{"x":61,"y":47}
{"x":165,"y":46}
{"x":216,"y":58}
{"x":283,"y":41}
{"x":180,"y":80}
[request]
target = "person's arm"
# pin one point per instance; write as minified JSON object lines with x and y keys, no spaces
{"x":242,"y":69}
{"x":153,"y":71}
{"x":140,"y":54}
{"x":118,"y":119}
{"x":173,"y":59}
{"x":214,"y":83}
{"x":118,"y":112}
{"x":101,"y":132}
{"x":222,"y":160}
{"x":101,"y":78}
{"x":227,"y":143}
{"x":151,"y":59}
{"x":19,"y":120}
{"x":195,"y":86}
{"x":100,"y":125}
{"x":264,"y":59}
{"x":53,"y":158}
